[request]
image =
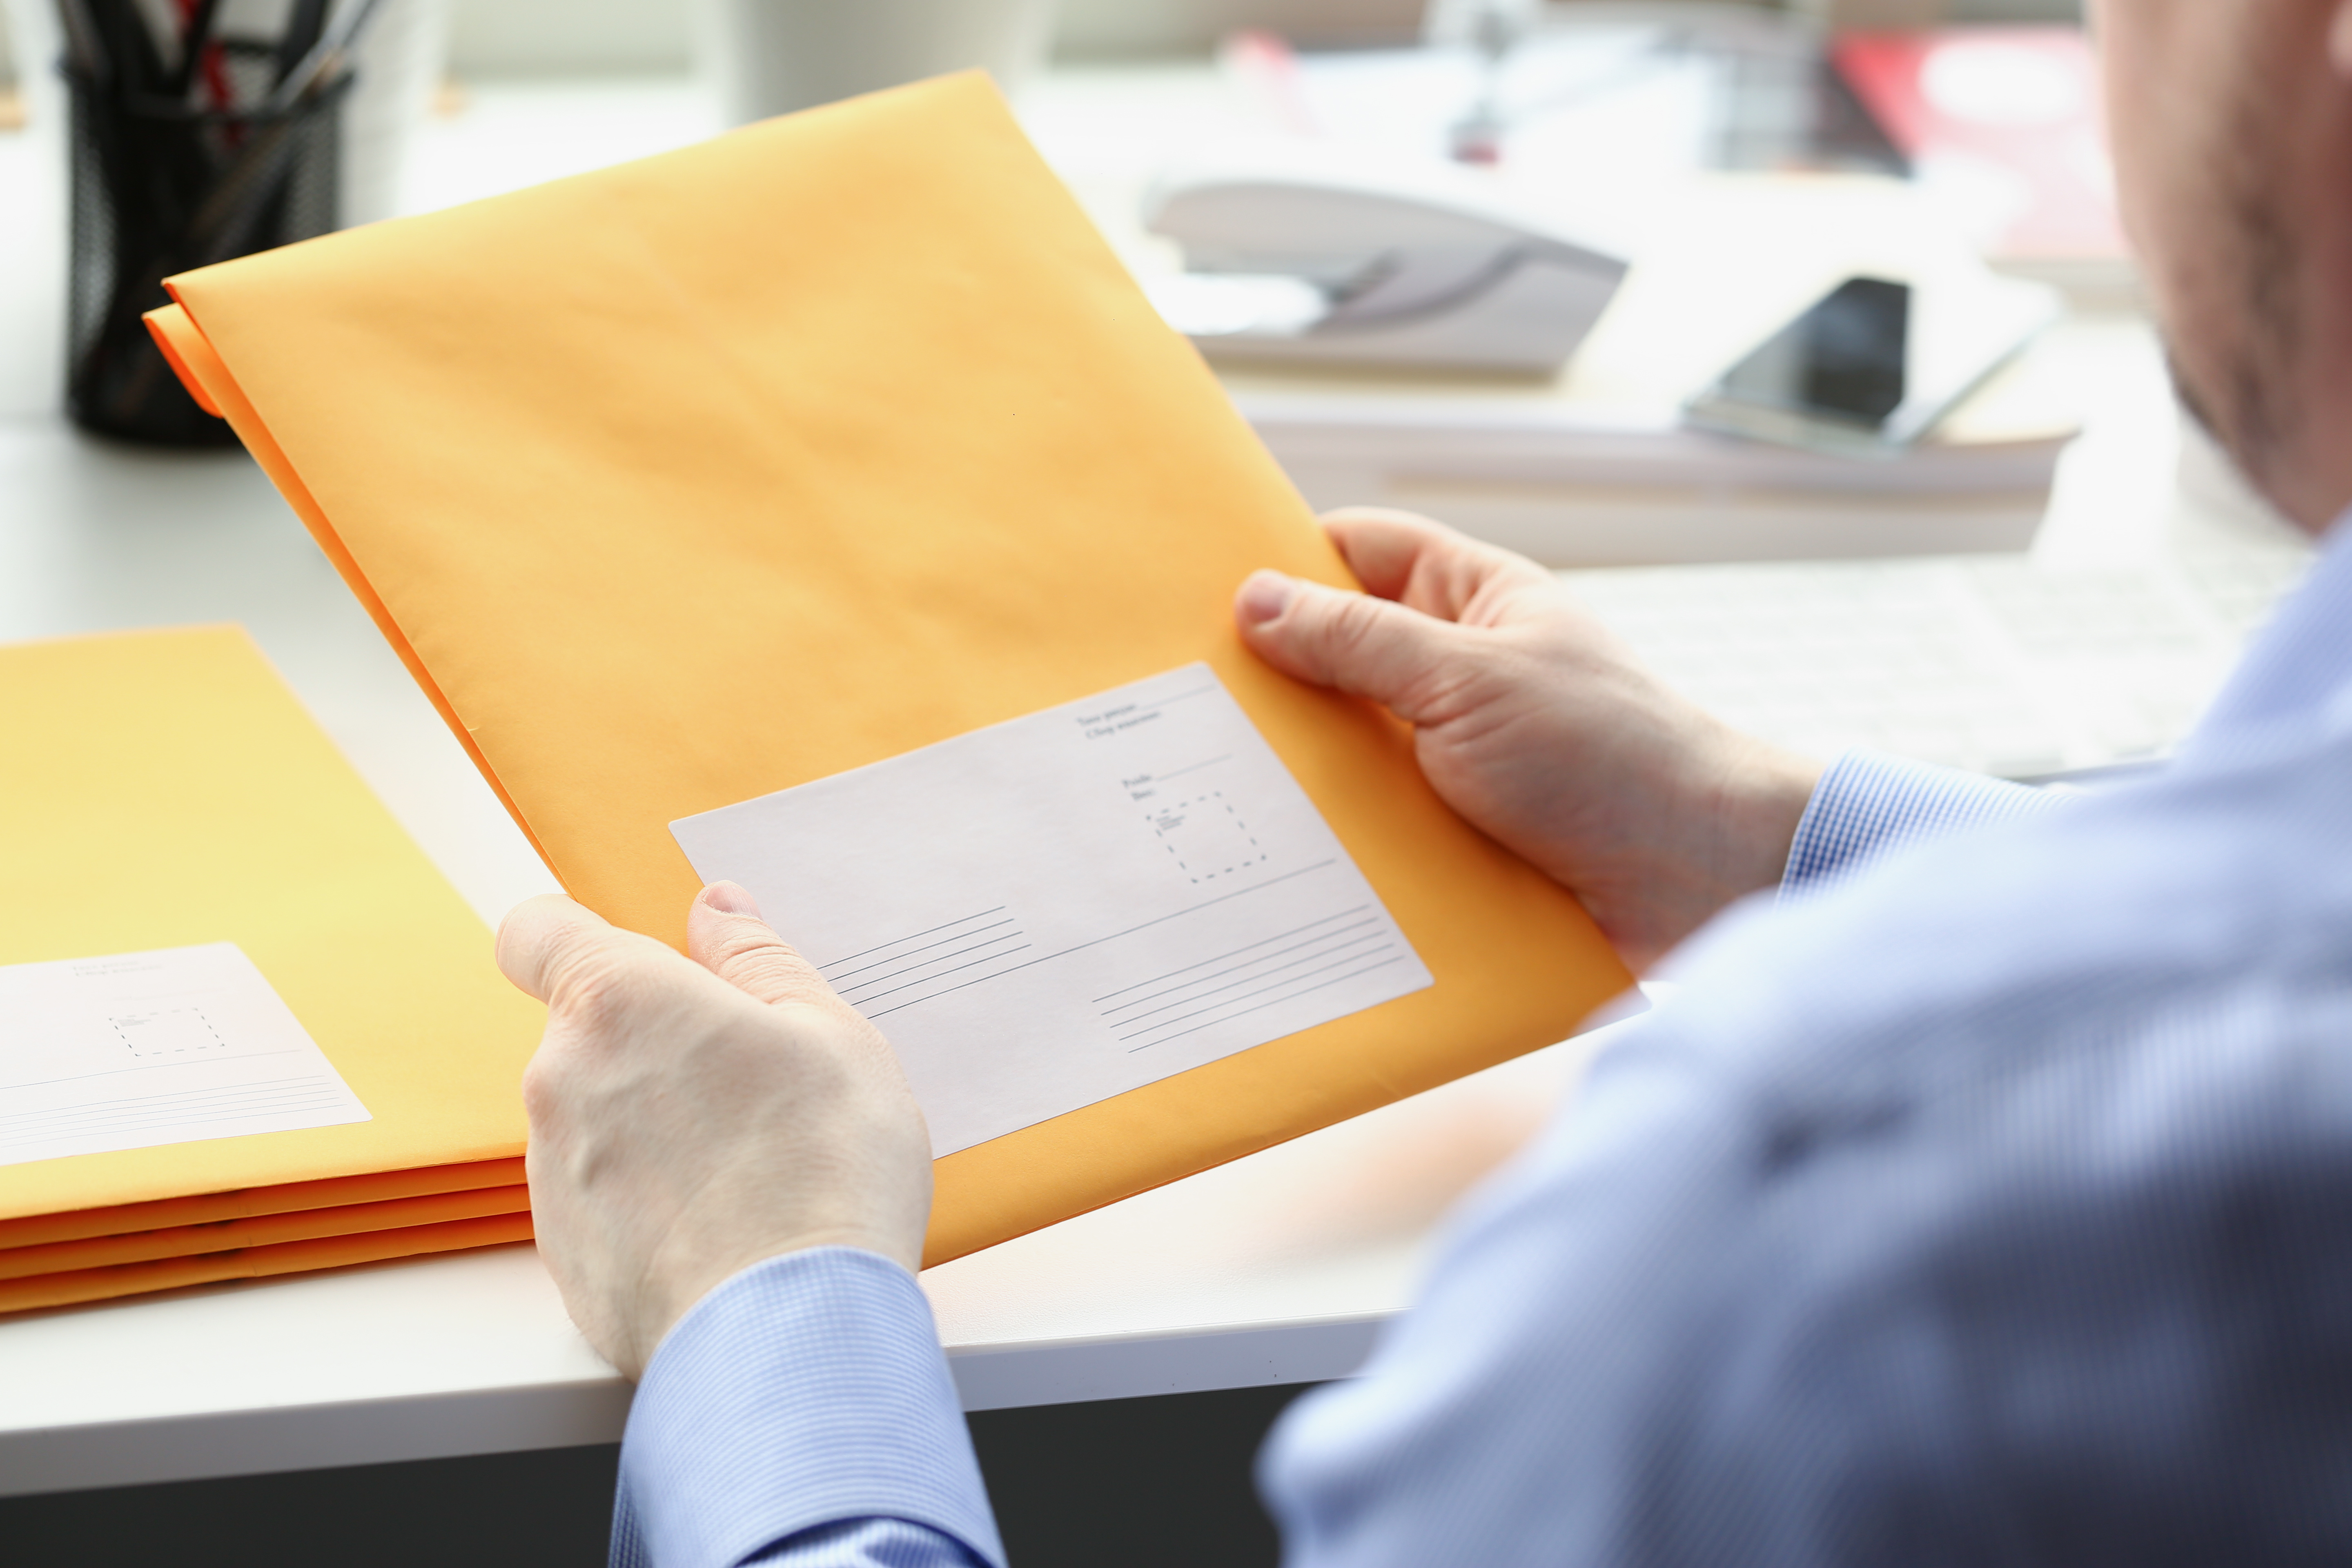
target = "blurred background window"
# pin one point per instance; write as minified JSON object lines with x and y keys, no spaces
{"x":526,"y":37}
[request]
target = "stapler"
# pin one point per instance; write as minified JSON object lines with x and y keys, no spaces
{"x":1415,"y":269}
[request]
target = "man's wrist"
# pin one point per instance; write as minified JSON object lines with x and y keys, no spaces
{"x":1713,"y":825}
{"x":1764,"y":798}
{"x":678,"y":1284}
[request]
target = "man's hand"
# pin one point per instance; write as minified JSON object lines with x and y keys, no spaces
{"x":1539,"y":726}
{"x":690,"y":1117}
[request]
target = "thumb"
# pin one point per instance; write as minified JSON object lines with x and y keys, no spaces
{"x":545,"y":941}
{"x":725,"y":934}
{"x":1369,"y":647}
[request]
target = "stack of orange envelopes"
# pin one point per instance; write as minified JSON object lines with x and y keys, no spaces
{"x":704,"y":477}
{"x":245,"y":1027}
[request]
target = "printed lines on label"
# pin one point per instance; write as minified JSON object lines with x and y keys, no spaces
{"x":269,"y":1099}
{"x":1192,"y":768}
{"x":896,"y":1003}
{"x":1265,"y":974}
{"x":911,"y":962}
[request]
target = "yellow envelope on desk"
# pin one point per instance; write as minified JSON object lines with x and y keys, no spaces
{"x":164,"y":795}
{"x":703,"y":477}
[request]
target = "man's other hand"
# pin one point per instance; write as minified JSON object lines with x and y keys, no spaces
{"x":1539,"y":726}
{"x":692,"y":1116}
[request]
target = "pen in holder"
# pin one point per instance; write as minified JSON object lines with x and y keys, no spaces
{"x":161,"y":185}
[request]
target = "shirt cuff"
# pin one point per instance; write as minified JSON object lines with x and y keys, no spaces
{"x":807,"y":1390}
{"x":1867,"y":805}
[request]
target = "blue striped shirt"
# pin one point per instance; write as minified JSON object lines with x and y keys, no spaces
{"x":1989,"y":1199}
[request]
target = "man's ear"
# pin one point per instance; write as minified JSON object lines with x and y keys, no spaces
{"x":2340,"y":39}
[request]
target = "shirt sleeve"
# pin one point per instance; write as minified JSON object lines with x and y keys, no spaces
{"x":1867,"y":805}
{"x":801,"y":1414}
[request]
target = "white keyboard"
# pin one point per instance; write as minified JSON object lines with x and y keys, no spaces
{"x":1999,"y":664}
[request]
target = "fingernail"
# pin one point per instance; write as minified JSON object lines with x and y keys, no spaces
{"x":1265,"y":596}
{"x":729,"y":898}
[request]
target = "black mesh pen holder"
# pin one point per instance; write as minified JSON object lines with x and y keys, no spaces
{"x":160,"y":187}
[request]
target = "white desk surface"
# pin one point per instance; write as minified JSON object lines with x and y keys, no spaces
{"x":1277,"y":1267}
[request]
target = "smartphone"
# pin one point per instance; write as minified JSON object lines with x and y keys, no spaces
{"x":1872,"y":365}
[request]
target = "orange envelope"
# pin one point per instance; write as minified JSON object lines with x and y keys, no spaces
{"x":256,"y":1262}
{"x":165,"y":789}
{"x":329,"y":1193}
{"x":19,"y":1264}
{"x":696,"y":478}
